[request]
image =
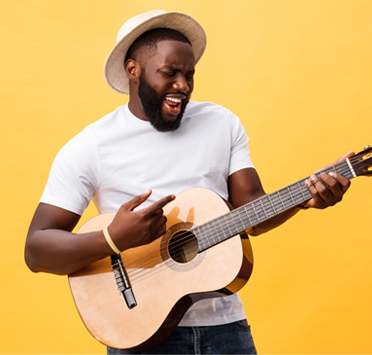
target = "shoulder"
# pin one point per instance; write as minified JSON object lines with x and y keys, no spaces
{"x":212,"y":113}
{"x":98,"y":130}
{"x":85,"y":142}
{"x":111,"y":121}
{"x":195,"y":107}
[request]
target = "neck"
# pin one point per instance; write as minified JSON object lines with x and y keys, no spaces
{"x":135,"y":106}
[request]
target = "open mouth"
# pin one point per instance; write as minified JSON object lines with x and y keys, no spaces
{"x":173,"y":103}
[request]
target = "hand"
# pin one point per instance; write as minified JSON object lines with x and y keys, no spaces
{"x":134,"y":228}
{"x":325,"y":196}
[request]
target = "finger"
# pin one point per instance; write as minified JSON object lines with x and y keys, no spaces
{"x":333,"y":186}
{"x":138,"y":200}
{"x":321,"y":186}
{"x":316,"y":188}
{"x":337,"y":183}
{"x":342,"y":180}
{"x":158,"y":205}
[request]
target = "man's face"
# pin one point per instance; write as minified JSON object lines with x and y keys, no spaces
{"x":166,"y":83}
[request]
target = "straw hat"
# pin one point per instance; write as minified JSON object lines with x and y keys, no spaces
{"x":114,"y":67}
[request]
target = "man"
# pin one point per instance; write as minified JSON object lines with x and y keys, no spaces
{"x":162,"y":141}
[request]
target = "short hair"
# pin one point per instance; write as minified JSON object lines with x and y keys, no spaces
{"x":150,"y":39}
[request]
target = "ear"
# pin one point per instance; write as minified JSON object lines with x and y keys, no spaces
{"x":133,"y":70}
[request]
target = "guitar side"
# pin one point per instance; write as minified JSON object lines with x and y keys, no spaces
{"x":164,"y":288}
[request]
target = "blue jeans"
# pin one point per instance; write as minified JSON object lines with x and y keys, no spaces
{"x":233,"y":338}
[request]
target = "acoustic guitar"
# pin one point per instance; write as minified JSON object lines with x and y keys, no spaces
{"x":135,"y":299}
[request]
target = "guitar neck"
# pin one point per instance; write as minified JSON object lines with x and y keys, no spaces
{"x":260,"y":210}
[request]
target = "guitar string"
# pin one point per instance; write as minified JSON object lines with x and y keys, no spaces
{"x":206,"y":234}
{"x":342,"y":172}
{"x":218,"y":227}
{"x":282,"y":198}
{"x":142,"y":273}
{"x":271,"y":202}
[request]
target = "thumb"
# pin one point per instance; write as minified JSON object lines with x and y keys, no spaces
{"x":347,"y":155}
{"x":136,"y":201}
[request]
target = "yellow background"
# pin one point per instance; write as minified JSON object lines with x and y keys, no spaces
{"x":297,"y":72}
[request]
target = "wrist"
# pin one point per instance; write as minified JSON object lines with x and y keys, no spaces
{"x":110,"y":242}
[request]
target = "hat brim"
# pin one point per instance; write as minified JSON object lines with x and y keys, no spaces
{"x":114,"y":71}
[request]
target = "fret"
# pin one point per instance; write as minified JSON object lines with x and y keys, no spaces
{"x":326,"y":170}
{"x":239,"y":225}
{"x":252,"y":213}
{"x":254,"y":217}
{"x":279,"y":207}
{"x":231,"y":223}
{"x":269,"y":206}
{"x":350,"y":173}
{"x":290,"y":194}
{"x":200,"y":237}
{"x":344,"y":169}
{"x":221,"y":230}
{"x":242,"y":219}
{"x":341,"y":168}
{"x":304,"y":191}
{"x":302,"y":199}
{"x":295,"y":193}
{"x":247,"y":216}
{"x":247,"y":213}
{"x":207,"y":238}
{"x":280,"y":199}
{"x":221,"y":236}
{"x":258,"y":210}
{"x":287,"y":198}
{"x":262,"y":206}
{"x":214,"y":232}
{"x":272,"y":204}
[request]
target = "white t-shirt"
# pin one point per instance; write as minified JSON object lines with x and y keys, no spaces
{"x":120,"y":156}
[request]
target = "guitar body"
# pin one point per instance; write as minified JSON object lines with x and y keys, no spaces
{"x":183,"y":266}
{"x":164,"y":284}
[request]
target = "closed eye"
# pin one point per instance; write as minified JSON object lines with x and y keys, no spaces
{"x":170,"y":74}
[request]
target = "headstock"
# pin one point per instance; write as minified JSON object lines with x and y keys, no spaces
{"x":362,"y":162}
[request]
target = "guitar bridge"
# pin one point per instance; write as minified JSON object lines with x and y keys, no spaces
{"x":122,"y":280}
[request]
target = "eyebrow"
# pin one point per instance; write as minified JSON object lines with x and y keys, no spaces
{"x":172,"y":67}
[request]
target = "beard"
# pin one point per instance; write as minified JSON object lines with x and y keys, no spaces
{"x":152,"y":104}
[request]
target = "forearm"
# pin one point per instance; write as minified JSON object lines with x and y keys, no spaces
{"x":52,"y":247}
{"x":245,"y":187}
{"x":61,"y":252}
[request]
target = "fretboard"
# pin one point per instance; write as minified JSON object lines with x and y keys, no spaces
{"x":260,"y":210}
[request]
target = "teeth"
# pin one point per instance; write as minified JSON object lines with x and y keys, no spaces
{"x":173,"y":99}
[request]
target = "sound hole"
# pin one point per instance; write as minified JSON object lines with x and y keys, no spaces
{"x":183,"y":246}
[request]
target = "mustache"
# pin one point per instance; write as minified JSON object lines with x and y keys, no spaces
{"x":174,"y":93}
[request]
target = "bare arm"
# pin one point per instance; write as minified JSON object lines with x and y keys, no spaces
{"x":52,"y":247}
{"x":245,"y":186}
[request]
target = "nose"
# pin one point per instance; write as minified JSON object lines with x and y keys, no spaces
{"x":181,"y":84}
